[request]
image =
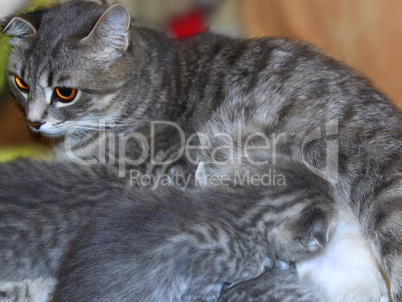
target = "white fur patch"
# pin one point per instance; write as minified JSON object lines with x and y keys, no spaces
{"x":346,"y":270}
{"x":37,"y":290}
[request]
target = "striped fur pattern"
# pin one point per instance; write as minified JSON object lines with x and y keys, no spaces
{"x":37,"y":223}
{"x":209,"y":83}
{"x":185,"y":245}
{"x":154,"y":245}
{"x":271,"y":286}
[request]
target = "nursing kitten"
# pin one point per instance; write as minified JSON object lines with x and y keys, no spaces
{"x":136,"y":244}
{"x":73,"y":65}
{"x":185,"y":245}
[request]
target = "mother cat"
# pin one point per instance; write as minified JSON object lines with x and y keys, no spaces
{"x":79,"y":62}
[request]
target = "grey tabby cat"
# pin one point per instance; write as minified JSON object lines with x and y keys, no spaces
{"x":137,"y":244}
{"x":74,"y":64}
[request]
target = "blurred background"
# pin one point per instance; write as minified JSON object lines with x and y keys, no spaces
{"x":366,"y":34}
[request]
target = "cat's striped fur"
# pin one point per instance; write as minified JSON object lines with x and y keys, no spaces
{"x":209,"y":83}
{"x":274,"y":286}
{"x":136,"y":244}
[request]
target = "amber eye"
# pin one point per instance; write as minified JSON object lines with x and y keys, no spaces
{"x":21,"y":84}
{"x":66,"y":94}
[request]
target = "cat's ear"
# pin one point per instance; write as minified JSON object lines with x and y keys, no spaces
{"x":19,"y":28}
{"x":111,"y":34}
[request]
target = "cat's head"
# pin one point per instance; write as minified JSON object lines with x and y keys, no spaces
{"x":68,"y":64}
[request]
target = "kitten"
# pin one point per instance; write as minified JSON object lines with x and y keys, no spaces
{"x":68,"y":75}
{"x":185,"y":245}
{"x":137,"y":244}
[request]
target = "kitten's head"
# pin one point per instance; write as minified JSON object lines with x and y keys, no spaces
{"x":69,"y":63}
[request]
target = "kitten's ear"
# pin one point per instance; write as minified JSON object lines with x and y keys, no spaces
{"x":111,"y":34}
{"x":19,"y":28}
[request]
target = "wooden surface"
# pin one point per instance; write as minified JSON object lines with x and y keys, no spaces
{"x":13,"y":127}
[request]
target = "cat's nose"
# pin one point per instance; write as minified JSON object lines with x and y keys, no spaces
{"x":35,"y":125}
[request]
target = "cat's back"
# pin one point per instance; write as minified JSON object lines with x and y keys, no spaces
{"x":258,"y":56}
{"x":275,"y":85}
{"x":271,"y":67}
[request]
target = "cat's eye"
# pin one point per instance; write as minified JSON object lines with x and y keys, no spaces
{"x":66,"y":94}
{"x":21,"y":84}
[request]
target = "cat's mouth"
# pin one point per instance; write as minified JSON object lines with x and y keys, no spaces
{"x":63,"y":129}
{"x":48,"y":130}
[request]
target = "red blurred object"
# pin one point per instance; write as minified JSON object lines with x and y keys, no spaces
{"x":187,"y":26}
